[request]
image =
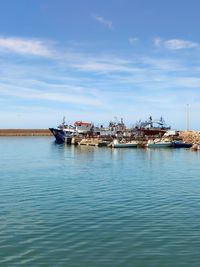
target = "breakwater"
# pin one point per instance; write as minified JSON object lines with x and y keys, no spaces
{"x":25,"y":132}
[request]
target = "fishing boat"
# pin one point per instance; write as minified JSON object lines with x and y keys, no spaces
{"x":124,"y":144}
{"x":181,"y":144}
{"x":64,"y":133}
{"x":157,"y":143}
{"x":114,"y":129}
{"x":152,"y":127}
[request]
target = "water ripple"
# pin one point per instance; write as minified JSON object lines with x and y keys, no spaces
{"x":85,"y":206}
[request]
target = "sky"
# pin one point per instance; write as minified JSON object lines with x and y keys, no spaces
{"x":99,"y":60}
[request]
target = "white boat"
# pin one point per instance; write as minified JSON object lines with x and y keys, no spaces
{"x":123,"y":144}
{"x":157,"y":143}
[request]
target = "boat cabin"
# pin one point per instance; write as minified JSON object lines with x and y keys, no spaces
{"x":83,"y":127}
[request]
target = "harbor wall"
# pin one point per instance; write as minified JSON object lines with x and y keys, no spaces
{"x":190,"y":136}
{"x":25,"y":132}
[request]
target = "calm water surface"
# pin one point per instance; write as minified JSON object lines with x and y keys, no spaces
{"x":86,"y":206}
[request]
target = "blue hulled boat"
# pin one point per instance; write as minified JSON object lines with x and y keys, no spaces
{"x":64,"y":133}
{"x":181,"y":144}
{"x":61,"y":135}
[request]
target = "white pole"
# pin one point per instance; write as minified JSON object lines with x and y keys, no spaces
{"x":187,"y":117}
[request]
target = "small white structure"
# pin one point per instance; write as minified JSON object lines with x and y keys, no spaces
{"x":170,"y":133}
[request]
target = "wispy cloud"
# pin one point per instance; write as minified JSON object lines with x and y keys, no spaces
{"x":69,"y":82}
{"x":106,"y":67}
{"x":103,"y":21}
{"x":33,"y":47}
{"x":169,"y":65}
{"x":175,"y":44}
{"x":68,"y":96}
{"x":133,"y":40}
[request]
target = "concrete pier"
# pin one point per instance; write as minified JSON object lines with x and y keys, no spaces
{"x":93,"y":142}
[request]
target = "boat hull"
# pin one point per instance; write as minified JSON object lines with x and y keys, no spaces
{"x":154,"y":131}
{"x":178,"y":144}
{"x":159,"y":145}
{"x":125,"y":145}
{"x":60,"y":136}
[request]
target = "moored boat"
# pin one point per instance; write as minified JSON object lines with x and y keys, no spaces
{"x":181,"y":144}
{"x":63,"y":133}
{"x":124,"y":144}
{"x":152,"y":127}
{"x":159,"y":143}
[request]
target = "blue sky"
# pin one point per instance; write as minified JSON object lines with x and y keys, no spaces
{"x":99,"y":60}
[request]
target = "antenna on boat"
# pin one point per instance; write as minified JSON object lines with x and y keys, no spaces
{"x":116,"y":119}
{"x":63,"y":120}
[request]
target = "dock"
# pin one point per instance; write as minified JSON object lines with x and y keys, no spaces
{"x":94,"y":142}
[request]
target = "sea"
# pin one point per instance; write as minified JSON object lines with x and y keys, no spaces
{"x":74,"y":206}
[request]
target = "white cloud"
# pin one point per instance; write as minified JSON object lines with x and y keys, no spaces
{"x":175,"y":44}
{"x":69,"y":83}
{"x":132,"y":40}
{"x":105,"y":22}
{"x":105,"y":67}
{"x":24,"y":46}
{"x":179,"y":44}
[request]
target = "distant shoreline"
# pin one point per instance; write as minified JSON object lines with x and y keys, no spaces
{"x":25,"y":132}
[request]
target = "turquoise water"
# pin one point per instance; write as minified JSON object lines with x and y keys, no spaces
{"x":86,"y":206}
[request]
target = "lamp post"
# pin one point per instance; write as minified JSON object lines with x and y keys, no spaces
{"x":187,"y":117}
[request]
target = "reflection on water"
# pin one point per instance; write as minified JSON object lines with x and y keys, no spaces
{"x":74,"y":206}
